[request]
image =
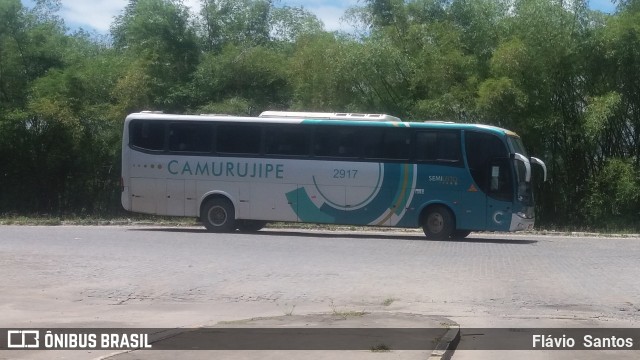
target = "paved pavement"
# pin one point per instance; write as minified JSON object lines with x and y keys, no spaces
{"x":70,"y":276}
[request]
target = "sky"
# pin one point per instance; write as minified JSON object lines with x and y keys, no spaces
{"x":97,"y":15}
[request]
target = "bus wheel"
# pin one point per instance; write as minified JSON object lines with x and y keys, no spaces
{"x":218,"y":215}
{"x":438,"y":224}
{"x":250,"y":225}
{"x":460,"y":234}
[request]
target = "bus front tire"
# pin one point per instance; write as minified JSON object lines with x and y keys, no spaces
{"x":438,"y":223}
{"x":218,"y":215}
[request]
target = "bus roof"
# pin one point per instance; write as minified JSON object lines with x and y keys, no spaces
{"x":380,"y":121}
{"x":328,"y":116}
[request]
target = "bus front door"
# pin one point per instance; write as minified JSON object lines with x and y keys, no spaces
{"x":499,"y":196}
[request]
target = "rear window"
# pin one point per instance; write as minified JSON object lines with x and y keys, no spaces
{"x":147,"y":135}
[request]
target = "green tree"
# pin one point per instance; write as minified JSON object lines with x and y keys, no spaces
{"x":160,"y":38}
{"x":620,"y":130}
{"x":613,"y":201}
{"x":288,"y":24}
{"x":313,"y":74}
{"x":235,"y":22}
{"x":255,"y":75}
{"x":539,"y":89}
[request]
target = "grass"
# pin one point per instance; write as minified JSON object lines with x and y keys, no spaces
{"x":344,"y":314}
{"x":288,"y":309}
{"x":380,"y":348}
{"x":388,"y":301}
{"x":72,"y":219}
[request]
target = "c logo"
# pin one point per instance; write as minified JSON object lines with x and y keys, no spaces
{"x":498,"y":217}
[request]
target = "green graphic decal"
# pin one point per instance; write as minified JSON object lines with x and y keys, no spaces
{"x":404,"y":190}
{"x":391,"y":198}
{"x":306,"y":209}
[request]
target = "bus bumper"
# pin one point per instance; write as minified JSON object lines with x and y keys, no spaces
{"x":520,"y":222}
{"x":125,"y":198}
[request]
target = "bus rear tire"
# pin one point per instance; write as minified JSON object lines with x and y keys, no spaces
{"x":438,"y":223}
{"x":218,"y":215}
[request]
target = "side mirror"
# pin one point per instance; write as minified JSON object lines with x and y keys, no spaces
{"x":527,"y":165}
{"x":541,"y":163}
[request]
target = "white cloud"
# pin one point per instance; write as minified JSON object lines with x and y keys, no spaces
{"x":602,"y":5}
{"x":193,"y":5}
{"x":330,"y":12}
{"x":98,"y":15}
{"x":91,"y":15}
{"x":331,"y":17}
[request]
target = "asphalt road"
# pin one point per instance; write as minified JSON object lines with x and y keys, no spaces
{"x":87,"y":276}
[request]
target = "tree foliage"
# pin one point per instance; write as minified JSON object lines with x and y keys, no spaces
{"x":562,"y":76}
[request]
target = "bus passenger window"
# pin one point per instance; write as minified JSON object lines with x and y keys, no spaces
{"x":238,"y":139}
{"x":287,"y":140}
{"x":334,"y":141}
{"x":438,"y":146}
{"x":386,"y":143}
{"x":190,"y":137}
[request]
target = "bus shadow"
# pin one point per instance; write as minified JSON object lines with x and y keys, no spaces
{"x":477,"y":239}
{"x":173,"y":230}
{"x":496,"y":241}
{"x":417,"y":237}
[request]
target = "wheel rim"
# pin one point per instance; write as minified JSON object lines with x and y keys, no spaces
{"x":435,"y":223}
{"x":217,"y":216}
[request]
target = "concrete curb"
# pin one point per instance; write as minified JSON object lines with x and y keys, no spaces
{"x":444,"y":348}
{"x":447,"y":345}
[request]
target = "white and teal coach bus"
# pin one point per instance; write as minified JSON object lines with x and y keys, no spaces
{"x":360,"y":169}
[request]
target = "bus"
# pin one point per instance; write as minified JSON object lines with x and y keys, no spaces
{"x":238,"y":173}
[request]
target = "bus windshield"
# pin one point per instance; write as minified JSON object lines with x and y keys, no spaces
{"x":516,"y":146}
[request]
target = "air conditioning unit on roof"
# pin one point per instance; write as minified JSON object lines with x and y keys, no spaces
{"x":328,"y":116}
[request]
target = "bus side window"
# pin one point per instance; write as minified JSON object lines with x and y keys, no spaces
{"x":396,"y":144}
{"x":238,"y":139}
{"x":386,"y":143}
{"x":333,"y":141}
{"x":147,"y":135}
{"x":372,"y":143}
{"x":190,"y":137}
{"x":438,"y":146}
{"x":287,"y":140}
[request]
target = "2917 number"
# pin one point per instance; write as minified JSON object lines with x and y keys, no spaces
{"x":344,"y":174}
